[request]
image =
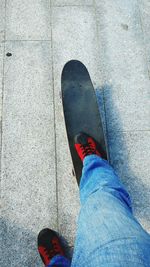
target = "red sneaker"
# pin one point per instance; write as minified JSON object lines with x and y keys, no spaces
{"x":49,"y":245}
{"x":86,"y":145}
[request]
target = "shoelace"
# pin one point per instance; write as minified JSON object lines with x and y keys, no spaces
{"x":87,"y":149}
{"x":51,"y":253}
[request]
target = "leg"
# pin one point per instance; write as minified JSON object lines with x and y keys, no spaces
{"x":108,"y":234}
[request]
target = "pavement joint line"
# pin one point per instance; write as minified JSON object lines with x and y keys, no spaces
{"x":54,"y":116}
{"x":145,"y":50}
{"x":22,"y":40}
{"x":105,"y":112}
{"x":90,"y":6}
{"x":3,"y":84}
{"x":53,"y":6}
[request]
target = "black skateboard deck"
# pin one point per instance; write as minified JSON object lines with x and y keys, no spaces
{"x":81,"y":110}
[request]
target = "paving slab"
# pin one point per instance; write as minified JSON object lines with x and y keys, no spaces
{"x":28,"y":20}
{"x":126,"y":81}
{"x":1,"y":76}
{"x":1,"y":88}
{"x":70,"y":42}
{"x":28,"y":152}
{"x":2,"y":19}
{"x":129,"y":154}
{"x":71,"y":2}
{"x":144,"y":6}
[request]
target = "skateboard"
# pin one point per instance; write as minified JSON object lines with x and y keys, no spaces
{"x":81,"y":110}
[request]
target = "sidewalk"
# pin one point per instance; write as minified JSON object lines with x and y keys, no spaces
{"x":38,"y":189}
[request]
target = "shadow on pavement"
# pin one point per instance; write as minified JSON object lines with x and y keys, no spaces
{"x":119,"y":154}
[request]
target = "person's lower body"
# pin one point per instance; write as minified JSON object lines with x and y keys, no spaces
{"x":107,"y":233}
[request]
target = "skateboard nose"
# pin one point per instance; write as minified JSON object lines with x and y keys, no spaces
{"x":81,"y":138}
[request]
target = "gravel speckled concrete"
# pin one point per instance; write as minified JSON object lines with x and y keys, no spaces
{"x":126,"y":77}
{"x":1,"y":88}
{"x":1,"y":75}
{"x":144,"y":6}
{"x":28,"y":151}
{"x":28,"y":20}
{"x":2,"y":19}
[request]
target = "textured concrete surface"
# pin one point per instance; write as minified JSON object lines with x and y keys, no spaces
{"x":38,"y":188}
{"x":1,"y":75}
{"x":1,"y":85}
{"x":126,"y":77}
{"x":144,"y":6}
{"x":71,"y":2}
{"x":2,"y":19}
{"x":28,"y":155}
{"x":28,"y":20}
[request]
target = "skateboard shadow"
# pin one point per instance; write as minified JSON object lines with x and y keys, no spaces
{"x":120,"y":148}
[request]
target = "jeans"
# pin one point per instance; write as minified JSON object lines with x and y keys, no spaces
{"x":108,"y":235}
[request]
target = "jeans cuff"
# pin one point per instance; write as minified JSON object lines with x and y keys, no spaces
{"x":89,"y":158}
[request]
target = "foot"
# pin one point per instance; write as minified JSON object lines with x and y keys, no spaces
{"x":85,"y":145}
{"x":49,"y":245}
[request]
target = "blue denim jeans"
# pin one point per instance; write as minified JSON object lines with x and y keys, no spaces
{"x":108,"y":235}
